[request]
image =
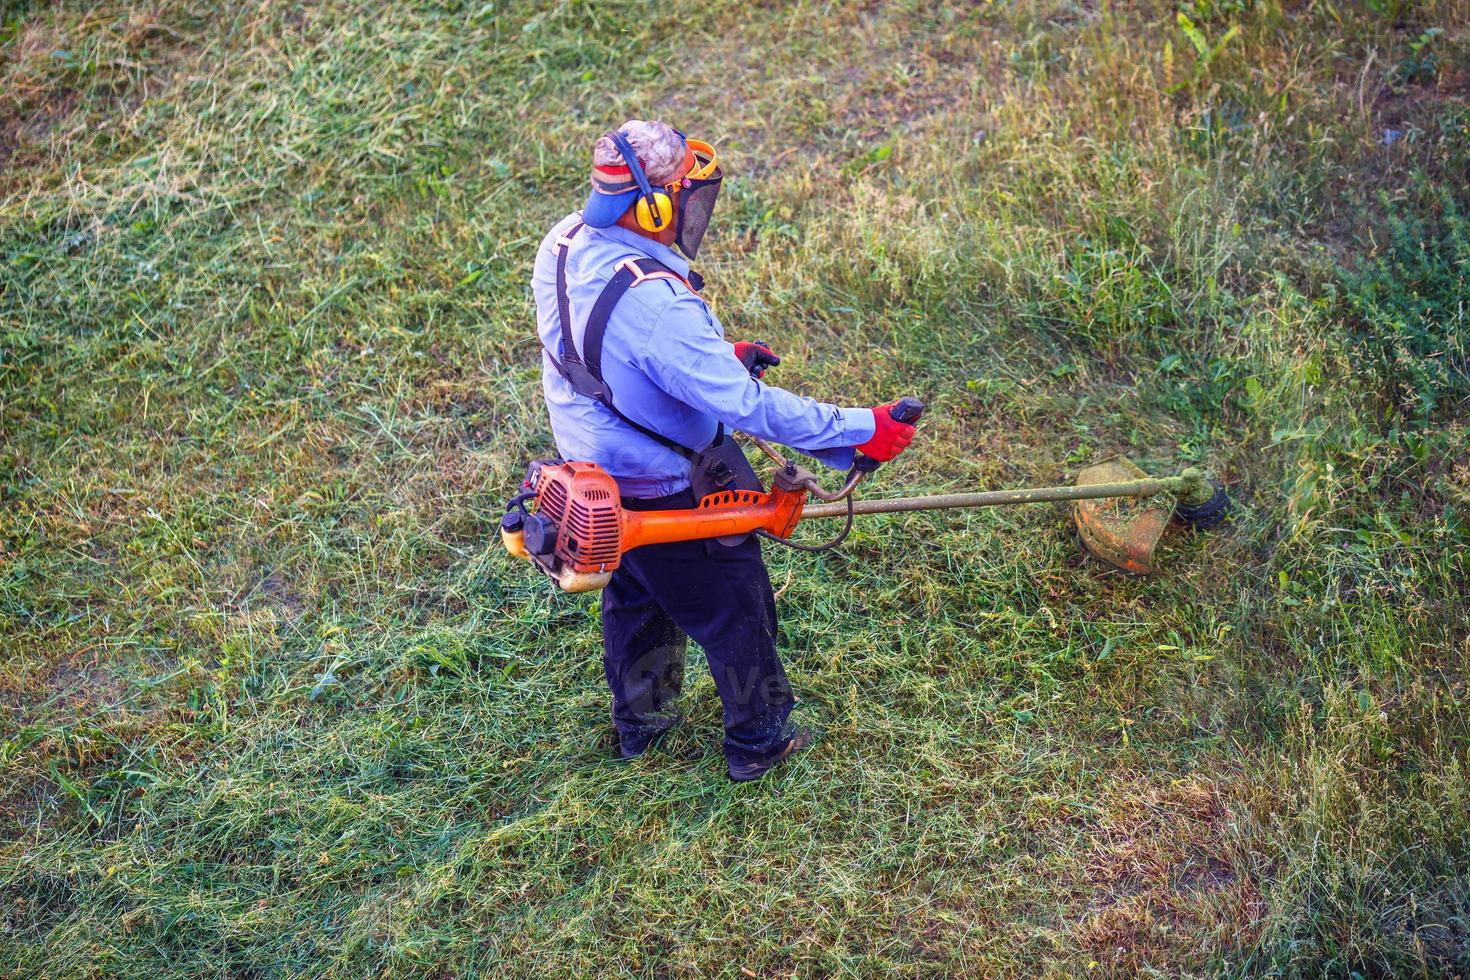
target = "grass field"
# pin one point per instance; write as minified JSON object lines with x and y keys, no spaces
{"x":273,"y":702}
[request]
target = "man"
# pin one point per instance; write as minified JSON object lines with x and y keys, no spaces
{"x":639,"y":379}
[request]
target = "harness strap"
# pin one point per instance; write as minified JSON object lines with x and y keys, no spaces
{"x":584,"y":372}
{"x":568,"y":348}
{"x":623,"y":280}
{"x":658,"y":270}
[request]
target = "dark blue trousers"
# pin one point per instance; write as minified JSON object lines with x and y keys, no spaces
{"x":662,"y":595}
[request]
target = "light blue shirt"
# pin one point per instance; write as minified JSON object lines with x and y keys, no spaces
{"x":670,"y":368}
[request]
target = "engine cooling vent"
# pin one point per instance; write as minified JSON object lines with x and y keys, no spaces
{"x":552,"y":500}
{"x":593,"y":532}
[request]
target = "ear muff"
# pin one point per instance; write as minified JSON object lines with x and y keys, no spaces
{"x":656,"y":216}
{"x":654,"y":210}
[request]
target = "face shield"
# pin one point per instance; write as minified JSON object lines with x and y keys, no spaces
{"x":698,"y":192}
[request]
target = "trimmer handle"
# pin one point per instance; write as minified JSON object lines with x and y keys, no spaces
{"x":908,"y":410}
{"x":758,"y":363}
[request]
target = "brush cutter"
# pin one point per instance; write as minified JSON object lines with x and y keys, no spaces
{"x":569,"y":523}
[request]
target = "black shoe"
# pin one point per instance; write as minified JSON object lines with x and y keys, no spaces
{"x":801,"y":739}
{"x":632,"y":746}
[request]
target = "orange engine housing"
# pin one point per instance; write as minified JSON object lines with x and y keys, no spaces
{"x":579,"y":529}
{"x":582,"y":499}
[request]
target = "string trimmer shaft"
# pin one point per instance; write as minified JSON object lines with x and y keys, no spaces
{"x":1190,"y":487}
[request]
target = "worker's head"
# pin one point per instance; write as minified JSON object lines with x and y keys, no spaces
{"x":648,"y":178}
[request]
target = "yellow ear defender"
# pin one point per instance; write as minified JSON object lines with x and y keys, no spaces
{"x":655,"y":216}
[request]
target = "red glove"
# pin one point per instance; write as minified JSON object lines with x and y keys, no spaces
{"x":890,"y":437}
{"x":756,"y":356}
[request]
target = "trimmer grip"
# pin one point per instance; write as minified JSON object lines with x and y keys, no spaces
{"x":758,"y":364}
{"x":907,"y":410}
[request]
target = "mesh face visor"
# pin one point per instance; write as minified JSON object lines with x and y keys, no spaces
{"x":698,"y":193}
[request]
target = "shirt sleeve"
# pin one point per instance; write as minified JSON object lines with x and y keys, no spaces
{"x":688,"y":357}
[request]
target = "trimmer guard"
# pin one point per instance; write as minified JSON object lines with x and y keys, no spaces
{"x":1122,"y":531}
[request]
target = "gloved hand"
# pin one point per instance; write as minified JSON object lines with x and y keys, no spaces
{"x":890,"y":437}
{"x":756,"y":356}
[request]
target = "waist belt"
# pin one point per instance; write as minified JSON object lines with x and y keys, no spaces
{"x":584,"y":371}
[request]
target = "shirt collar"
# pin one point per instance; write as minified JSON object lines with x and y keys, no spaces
{"x":647,"y":246}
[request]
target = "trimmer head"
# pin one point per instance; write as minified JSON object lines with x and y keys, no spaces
{"x":1122,"y":531}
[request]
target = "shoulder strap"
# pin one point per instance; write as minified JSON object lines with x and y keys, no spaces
{"x":568,"y":347}
{"x":631,"y":273}
{"x":585,"y":376}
